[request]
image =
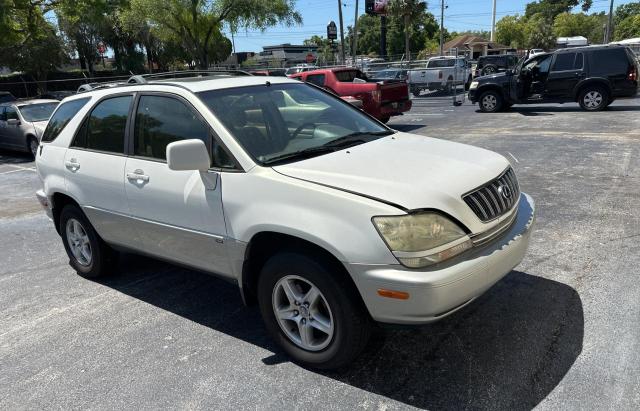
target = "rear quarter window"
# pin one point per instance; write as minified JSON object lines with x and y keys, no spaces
{"x":609,"y":61}
{"x":61,"y":117}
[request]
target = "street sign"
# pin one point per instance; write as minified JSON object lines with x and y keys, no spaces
{"x":332,"y":30}
{"x":310,"y":58}
{"x":376,"y":6}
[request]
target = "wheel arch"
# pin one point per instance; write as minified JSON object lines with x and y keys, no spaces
{"x":265,"y":244}
{"x":591,"y":82}
{"x":58,"y":202}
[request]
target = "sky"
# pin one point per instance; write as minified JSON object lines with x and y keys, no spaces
{"x":460,"y":15}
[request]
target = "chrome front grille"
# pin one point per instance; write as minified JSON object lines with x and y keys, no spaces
{"x":495,"y":198}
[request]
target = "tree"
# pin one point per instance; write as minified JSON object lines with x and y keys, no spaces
{"x":198,"y":23}
{"x":410,"y":12}
{"x":325,"y":49}
{"x":510,"y":31}
{"x":580,"y":24}
{"x":626,"y":10}
{"x":628,"y":28}
{"x":539,"y":33}
{"x":549,"y":9}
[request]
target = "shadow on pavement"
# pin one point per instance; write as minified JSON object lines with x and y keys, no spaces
{"x":571,"y":108}
{"x":14,"y":157}
{"x":507,"y":350}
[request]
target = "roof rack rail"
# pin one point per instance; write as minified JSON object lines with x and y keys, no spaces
{"x":97,"y":86}
{"x":144,"y":78}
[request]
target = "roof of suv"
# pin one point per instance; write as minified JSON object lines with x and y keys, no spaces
{"x":27,"y":102}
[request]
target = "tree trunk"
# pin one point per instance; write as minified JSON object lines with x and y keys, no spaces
{"x":407,"y":48}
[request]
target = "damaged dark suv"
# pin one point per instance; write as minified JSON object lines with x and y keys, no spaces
{"x":592,"y":76}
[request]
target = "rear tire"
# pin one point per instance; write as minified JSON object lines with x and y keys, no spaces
{"x":593,"y":98}
{"x":490,"y":101}
{"x":337,"y":309}
{"x":88,"y":253}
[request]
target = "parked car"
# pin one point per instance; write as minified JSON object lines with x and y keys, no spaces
{"x":268,"y":72}
{"x":389,"y":75}
{"x":591,"y":76}
{"x":331,"y":220}
{"x":440,"y":74}
{"x":56,"y":95}
{"x":495,"y":64}
{"x":5,"y":97}
{"x":300,"y":68}
{"x":382,"y":100}
{"x":22,"y":123}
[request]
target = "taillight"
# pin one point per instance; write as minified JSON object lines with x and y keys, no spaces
{"x":377,"y":95}
{"x":633,"y":73}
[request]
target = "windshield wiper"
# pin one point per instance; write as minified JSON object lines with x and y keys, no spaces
{"x":306,"y":153}
{"x":356,"y":137}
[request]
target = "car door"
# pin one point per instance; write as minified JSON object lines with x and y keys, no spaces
{"x":12,"y":133}
{"x":567,"y":69}
{"x":178,"y":214}
{"x":94,"y":169}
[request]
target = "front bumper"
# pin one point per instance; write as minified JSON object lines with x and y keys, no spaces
{"x":436,"y":292}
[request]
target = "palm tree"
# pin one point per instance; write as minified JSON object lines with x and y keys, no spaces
{"x":411,"y":11}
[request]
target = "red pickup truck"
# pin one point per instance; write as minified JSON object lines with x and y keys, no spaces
{"x":381,"y":99}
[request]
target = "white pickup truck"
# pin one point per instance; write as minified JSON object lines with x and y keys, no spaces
{"x":440,"y":73}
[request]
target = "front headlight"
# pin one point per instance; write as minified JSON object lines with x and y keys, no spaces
{"x":422,"y":239}
{"x":473,"y":85}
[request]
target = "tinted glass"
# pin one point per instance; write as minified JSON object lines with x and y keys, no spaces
{"x":3,"y":116}
{"x":274,"y":121}
{"x":38,"y":112}
{"x":564,"y":61}
{"x":107,"y":124}
{"x":61,"y":117}
{"x":609,"y":61}
{"x":317,"y":79}
{"x":347,"y":76}
{"x":162,"y":120}
{"x":11,"y":114}
{"x":442,"y":63}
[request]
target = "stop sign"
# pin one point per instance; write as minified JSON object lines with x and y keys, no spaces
{"x":310,"y":58}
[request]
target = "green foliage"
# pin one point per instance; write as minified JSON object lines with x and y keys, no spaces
{"x":510,"y":31}
{"x":580,"y":24}
{"x":538,"y":32}
{"x":626,"y":10}
{"x":628,"y":28}
{"x":411,"y":13}
{"x":549,"y":9}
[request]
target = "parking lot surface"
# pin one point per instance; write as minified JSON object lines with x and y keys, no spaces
{"x":559,"y":332}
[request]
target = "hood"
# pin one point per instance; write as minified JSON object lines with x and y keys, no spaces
{"x":408,"y":170}
{"x":39,"y":126}
{"x":491,"y":76}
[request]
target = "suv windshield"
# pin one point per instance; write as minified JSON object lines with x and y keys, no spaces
{"x":278,"y":123}
{"x":37,"y":112}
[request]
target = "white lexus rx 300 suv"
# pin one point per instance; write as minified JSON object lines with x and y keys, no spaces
{"x":327,"y":219}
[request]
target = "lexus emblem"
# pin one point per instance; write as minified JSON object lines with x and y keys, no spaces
{"x":505,"y":191}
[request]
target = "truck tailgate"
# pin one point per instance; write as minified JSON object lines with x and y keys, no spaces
{"x":394,"y":91}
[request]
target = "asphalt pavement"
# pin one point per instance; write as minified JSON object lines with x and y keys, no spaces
{"x":559,"y":332}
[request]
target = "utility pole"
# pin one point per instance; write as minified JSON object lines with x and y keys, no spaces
{"x":610,"y":24}
{"x":383,"y":36}
{"x":442,"y":28}
{"x":341,"y":31}
{"x":493,"y":22}
{"x":355,"y":35}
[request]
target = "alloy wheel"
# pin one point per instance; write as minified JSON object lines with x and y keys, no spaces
{"x":593,"y":99}
{"x":489,"y":102}
{"x":303,"y":313}
{"x":78,"y":241}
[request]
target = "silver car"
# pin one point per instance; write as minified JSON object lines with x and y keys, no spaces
{"x":23,"y":122}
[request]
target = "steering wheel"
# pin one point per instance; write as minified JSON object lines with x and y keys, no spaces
{"x":302,"y":127}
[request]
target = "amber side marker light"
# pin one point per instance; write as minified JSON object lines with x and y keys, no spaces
{"x":400,"y":295}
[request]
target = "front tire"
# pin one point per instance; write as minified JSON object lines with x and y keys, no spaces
{"x":312,"y":311}
{"x":490,"y":102}
{"x":32,"y":145}
{"x":593,"y":98}
{"x":88,"y":254}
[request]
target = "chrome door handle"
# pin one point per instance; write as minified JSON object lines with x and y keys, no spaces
{"x":72,"y":165}
{"x":138,"y":176}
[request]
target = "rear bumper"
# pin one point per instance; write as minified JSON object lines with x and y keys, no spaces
{"x":440,"y":291}
{"x":45,"y":203}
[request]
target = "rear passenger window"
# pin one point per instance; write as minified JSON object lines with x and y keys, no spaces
{"x":11,"y":114}
{"x":62,"y":116}
{"x":163,"y":120}
{"x":609,"y":61}
{"x":104,"y":130}
{"x":564,"y":61}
